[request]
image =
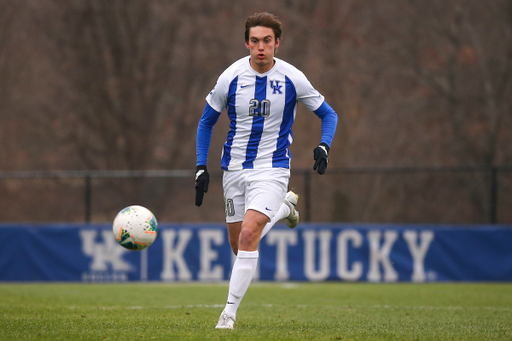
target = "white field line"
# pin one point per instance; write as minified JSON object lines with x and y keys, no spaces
{"x":267,"y":305}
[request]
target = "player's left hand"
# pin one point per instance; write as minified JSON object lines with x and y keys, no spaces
{"x":321,"y":155}
{"x":201,"y":184}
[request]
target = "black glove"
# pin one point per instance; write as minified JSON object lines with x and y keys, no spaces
{"x":321,"y":155}
{"x":201,"y":185}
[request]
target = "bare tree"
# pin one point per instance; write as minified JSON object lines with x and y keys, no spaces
{"x":115,"y":58}
{"x":462,"y":52}
{"x":8,"y":79}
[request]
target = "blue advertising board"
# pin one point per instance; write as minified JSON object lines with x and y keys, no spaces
{"x":310,"y":252}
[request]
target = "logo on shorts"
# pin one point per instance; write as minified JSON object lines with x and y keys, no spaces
{"x":268,"y":209}
{"x":230,"y":208}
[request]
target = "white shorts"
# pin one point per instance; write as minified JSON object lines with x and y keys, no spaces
{"x":262,"y":190}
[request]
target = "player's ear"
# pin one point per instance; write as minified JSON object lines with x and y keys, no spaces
{"x":247,"y":44}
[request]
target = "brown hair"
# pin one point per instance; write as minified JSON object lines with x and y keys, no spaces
{"x":266,"y":20}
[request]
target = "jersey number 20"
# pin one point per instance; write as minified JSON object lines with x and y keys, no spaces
{"x":259,"y":108}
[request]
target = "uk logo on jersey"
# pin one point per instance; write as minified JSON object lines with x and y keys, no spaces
{"x":276,"y":87}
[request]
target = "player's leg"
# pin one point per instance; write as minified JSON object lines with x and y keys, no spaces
{"x":234,"y":200}
{"x":287,"y":211}
{"x":264,"y":195}
{"x":247,"y":259}
{"x":234,"y":235}
{"x":245,"y":264}
{"x":283,"y":212}
{"x":250,"y":234}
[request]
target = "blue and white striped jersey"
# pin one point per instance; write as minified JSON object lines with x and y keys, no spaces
{"x":261,"y":110}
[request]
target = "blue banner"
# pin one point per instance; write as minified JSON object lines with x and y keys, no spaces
{"x":310,"y":252}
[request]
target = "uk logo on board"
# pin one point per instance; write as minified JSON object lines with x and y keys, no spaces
{"x":107,"y":263}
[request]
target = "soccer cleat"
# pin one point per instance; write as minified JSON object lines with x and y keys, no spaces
{"x":225,"y":321}
{"x":291,"y":200}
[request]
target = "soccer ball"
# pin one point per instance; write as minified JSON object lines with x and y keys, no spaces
{"x":135,"y":228}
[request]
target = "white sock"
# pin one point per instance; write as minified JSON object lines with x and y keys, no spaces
{"x":283,"y":212}
{"x":241,"y":276}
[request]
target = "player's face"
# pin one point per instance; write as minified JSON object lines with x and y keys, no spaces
{"x":262,"y":45}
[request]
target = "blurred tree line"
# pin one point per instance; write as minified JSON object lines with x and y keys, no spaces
{"x":120,"y":84}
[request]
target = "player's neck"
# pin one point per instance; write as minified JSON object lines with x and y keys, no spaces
{"x":262,"y":68}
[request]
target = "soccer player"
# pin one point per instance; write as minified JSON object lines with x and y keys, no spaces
{"x":260,"y":93}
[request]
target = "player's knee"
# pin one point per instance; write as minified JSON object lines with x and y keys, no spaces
{"x":248,"y":238}
{"x":246,"y":235}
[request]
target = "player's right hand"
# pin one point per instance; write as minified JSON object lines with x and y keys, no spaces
{"x":201,"y":184}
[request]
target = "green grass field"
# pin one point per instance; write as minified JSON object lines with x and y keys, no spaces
{"x":270,"y":311}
